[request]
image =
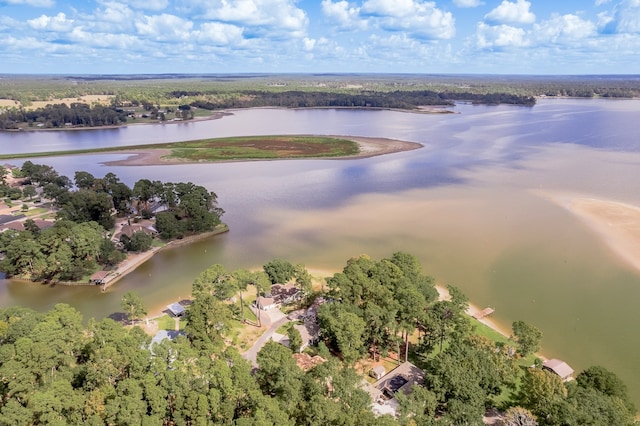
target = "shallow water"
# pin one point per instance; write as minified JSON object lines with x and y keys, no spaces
{"x":467,"y":205}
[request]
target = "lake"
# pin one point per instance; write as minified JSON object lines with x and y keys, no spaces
{"x":470,"y":205}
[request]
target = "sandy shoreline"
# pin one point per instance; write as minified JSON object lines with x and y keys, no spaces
{"x":616,"y":223}
{"x":369,"y":147}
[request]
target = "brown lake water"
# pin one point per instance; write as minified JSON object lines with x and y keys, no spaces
{"x":468,"y":205}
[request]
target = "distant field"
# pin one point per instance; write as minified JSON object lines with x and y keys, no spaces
{"x":88,"y":99}
{"x":8,"y":103}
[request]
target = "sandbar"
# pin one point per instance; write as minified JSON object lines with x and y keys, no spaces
{"x":618,"y":224}
{"x":369,"y":147}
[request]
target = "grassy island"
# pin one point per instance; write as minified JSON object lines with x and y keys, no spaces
{"x":268,"y":147}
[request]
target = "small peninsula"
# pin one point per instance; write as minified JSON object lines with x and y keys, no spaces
{"x":81,"y":231}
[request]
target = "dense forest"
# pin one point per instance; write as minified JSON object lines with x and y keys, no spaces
{"x":55,"y":370}
{"x":152,"y":98}
{"x":82,"y":115}
{"x":80,"y":240}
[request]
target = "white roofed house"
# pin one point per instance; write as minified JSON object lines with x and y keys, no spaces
{"x":266,"y":303}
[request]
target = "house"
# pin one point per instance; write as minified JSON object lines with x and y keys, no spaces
{"x":560,"y":368}
{"x":265,"y":303}
{"x":286,"y":293}
{"x":383,"y":392}
{"x":378,"y":372}
{"x":129,"y":230}
{"x":176,"y":309}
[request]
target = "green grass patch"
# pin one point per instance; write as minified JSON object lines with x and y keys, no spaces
{"x":34,"y":211}
{"x":167,"y":322}
{"x":236,"y":148}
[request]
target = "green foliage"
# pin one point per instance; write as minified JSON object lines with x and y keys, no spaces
{"x":344,"y":329}
{"x":132,"y":305}
{"x":280,"y":271}
{"x":527,"y":338}
{"x":295,"y":339}
{"x":140,"y":241}
{"x":518,"y":416}
{"x":70,"y":249}
{"x":541,"y":391}
{"x":65,"y":251}
{"x":207,"y":322}
{"x":55,"y":371}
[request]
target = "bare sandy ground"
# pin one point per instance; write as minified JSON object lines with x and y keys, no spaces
{"x":618,"y":224}
{"x":369,"y":147}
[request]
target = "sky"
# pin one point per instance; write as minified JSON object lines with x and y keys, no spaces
{"x":320,"y":36}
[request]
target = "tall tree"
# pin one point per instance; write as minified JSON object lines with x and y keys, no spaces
{"x":280,"y":271}
{"x":132,"y":304}
{"x":527,"y":338}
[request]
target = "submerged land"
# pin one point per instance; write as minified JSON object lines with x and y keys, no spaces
{"x":616,"y":223}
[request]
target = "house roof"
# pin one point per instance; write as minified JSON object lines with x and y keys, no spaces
{"x":262,"y":302}
{"x":379,"y":370}
{"x":176,"y":309}
{"x":408,"y":371}
{"x":559,"y":367}
{"x":99,"y":276}
{"x":18,"y":225}
{"x":129,"y":230}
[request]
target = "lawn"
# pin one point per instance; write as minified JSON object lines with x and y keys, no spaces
{"x":237,"y":148}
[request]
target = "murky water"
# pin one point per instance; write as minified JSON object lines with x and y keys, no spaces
{"x":468,"y":205}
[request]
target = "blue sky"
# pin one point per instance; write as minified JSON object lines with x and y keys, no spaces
{"x":282,"y":36}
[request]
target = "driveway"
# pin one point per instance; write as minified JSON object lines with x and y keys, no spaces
{"x":276,"y":319}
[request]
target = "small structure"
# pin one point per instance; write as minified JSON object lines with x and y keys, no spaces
{"x":378,"y":372}
{"x":483,"y":313}
{"x":560,"y":368}
{"x":265,"y":303}
{"x":176,"y":309}
{"x":99,"y":277}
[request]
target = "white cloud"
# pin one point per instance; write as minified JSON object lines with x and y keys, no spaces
{"x":341,"y":13}
{"x":34,"y":3}
{"x":512,"y":13}
{"x":308,"y":44}
{"x":219,"y":34}
{"x":58,"y":23}
{"x":564,"y":28}
{"x":499,"y":36}
{"x":601,"y":2}
{"x":468,"y":3}
{"x":112,"y":17}
{"x":148,"y":4}
{"x":421,"y":19}
{"x":103,"y":40}
{"x":164,"y":27}
{"x":627,"y":16}
{"x":278,"y":16}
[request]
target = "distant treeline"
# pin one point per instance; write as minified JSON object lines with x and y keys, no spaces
{"x":60,"y":115}
{"x":347,"y":91}
{"x":396,"y":99}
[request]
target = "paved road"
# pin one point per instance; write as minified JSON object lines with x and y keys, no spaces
{"x":275,"y":318}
